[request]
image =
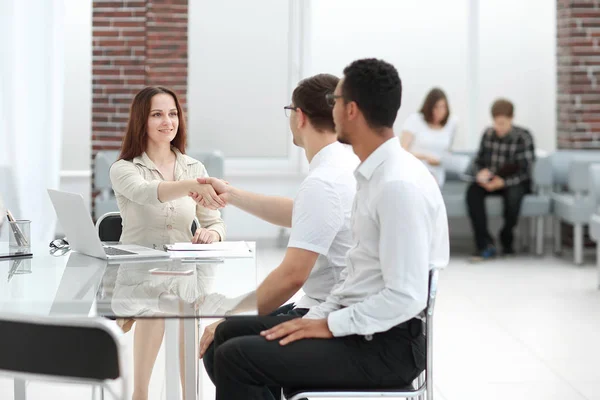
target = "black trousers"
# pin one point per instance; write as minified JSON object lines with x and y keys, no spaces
{"x":512,"y":196}
{"x":285,"y":310}
{"x":246,"y":363}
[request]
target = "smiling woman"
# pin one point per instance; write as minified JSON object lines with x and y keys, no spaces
{"x":151,"y":181}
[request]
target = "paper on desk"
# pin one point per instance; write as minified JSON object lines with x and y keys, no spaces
{"x":218,"y":246}
{"x":242,"y":253}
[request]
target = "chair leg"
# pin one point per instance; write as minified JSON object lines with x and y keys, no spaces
{"x":578,"y":244}
{"x":557,"y":236}
{"x":539,"y":236}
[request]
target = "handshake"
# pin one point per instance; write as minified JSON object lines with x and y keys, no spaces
{"x":211,"y":193}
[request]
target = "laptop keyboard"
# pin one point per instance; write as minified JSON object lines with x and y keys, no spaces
{"x":111,"y":251}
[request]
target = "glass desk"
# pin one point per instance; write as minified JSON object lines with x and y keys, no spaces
{"x":71,"y":284}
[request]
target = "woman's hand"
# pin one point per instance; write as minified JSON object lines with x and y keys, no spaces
{"x":205,"y":236}
{"x":209,"y":197}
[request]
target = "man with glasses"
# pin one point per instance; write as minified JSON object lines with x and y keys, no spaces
{"x":319,"y":216}
{"x":368,"y":333}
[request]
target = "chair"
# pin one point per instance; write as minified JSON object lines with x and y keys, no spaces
{"x":110,"y":227}
{"x":68,"y":350}
{"x":594,"y":185}
{"x":574,"y":206}
{"x":423,"y":385}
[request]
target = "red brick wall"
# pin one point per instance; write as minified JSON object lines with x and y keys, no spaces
{"x":578,"y":69}
{"x":135,"y":44}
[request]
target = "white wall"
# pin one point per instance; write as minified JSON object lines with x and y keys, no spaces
{"x":517,"y":59}
{"x":77,"y":121}
{"x":429,"y":45}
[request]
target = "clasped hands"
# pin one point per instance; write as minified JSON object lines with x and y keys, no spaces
{"x":211,"y":193}
{"x":490,"y":182}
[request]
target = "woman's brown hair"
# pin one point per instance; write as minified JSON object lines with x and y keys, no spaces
{"x":434,"y":95}
{"x":134,"y":142}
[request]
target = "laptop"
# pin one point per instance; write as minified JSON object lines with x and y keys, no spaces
{"x":83,"y":238}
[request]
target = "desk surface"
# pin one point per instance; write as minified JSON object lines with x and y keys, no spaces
{"x":73,"y":284}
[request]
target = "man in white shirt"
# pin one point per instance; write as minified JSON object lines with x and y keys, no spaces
{"x":366,"y":334}
{"x":319,"y":216}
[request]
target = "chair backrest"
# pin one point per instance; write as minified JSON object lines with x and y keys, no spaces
{"x":110,"y":227}
{"x":594,"y":183}
{"x":433,"y":286}
{"x":213,"y":161}
{"x":561,"y":167}
{"x":70,"y":349}
{"x":102,"y":163}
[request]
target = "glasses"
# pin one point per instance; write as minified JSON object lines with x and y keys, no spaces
{"x":288,"y":110}
{"x":330,"y":97}
{"x":59,"y":244}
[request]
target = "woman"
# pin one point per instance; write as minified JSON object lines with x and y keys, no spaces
{"x":428,"y":134}
{"x":152,"y":180}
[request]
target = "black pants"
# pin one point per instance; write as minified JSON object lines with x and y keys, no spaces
{"x":245,"y":363}
{"x":512,"y":196}
{"x":209,"y":356}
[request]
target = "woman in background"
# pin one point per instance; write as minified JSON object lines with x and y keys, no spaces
{"x":151,"y":181}
{"x":428,"y":134}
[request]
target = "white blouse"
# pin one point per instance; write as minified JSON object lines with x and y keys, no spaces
{"x":147,"y":221}
{"x":433,"y":142}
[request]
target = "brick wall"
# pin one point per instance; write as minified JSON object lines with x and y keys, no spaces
{"x":578,"y":69}
{"x":135,"y":44}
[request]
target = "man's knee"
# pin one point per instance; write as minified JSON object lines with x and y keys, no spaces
{"x":475,"y":193}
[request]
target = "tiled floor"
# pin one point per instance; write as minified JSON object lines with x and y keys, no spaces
{"x":520,"y":328}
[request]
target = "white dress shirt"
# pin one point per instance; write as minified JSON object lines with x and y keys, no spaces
{"x":400,"y":229}
{"x":321,"y":219}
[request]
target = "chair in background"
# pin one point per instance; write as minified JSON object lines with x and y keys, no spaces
{"x":110,"y":227}
{"x":423,"y":385}
{"x":69,"y":350}
{"x":574,"y":205}
{"x":594,"y":185}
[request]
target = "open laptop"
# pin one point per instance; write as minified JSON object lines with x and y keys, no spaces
{"x":81,"y":233}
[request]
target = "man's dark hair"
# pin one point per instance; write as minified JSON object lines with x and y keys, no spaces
{"x":376,"y":88}
{"x":310,"y":97}
{"x":434,"y":95}
{"x":503,"y":107}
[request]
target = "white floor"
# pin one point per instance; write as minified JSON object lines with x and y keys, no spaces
{"x":520,"y":328}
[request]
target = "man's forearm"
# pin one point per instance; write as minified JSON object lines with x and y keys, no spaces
{"x":274,"y":209}
{"x":276,"y":289}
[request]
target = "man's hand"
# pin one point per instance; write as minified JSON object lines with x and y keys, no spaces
{"x":298,"y":329}
{"x":220,"y":187}
{"x":205,"y":236}
{"x":208,"y":336}
{"x":210,"y":198}
{"x":483,"y":177}
{"x":496,"y":183}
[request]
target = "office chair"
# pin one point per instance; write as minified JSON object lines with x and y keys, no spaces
{"x":110,"y":227}
{"x":422,"y":386}
{"x":60,"y":349}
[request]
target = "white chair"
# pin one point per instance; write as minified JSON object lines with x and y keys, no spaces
{"x":423,"y":385}
{"x":68,"y":350}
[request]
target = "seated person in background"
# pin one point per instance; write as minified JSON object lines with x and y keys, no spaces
{"x":319,"y":215}
{"x":428,"y":134}
{"x":151,"y":181}
{"x":367,"y":333}
{"x":503,"y":167}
